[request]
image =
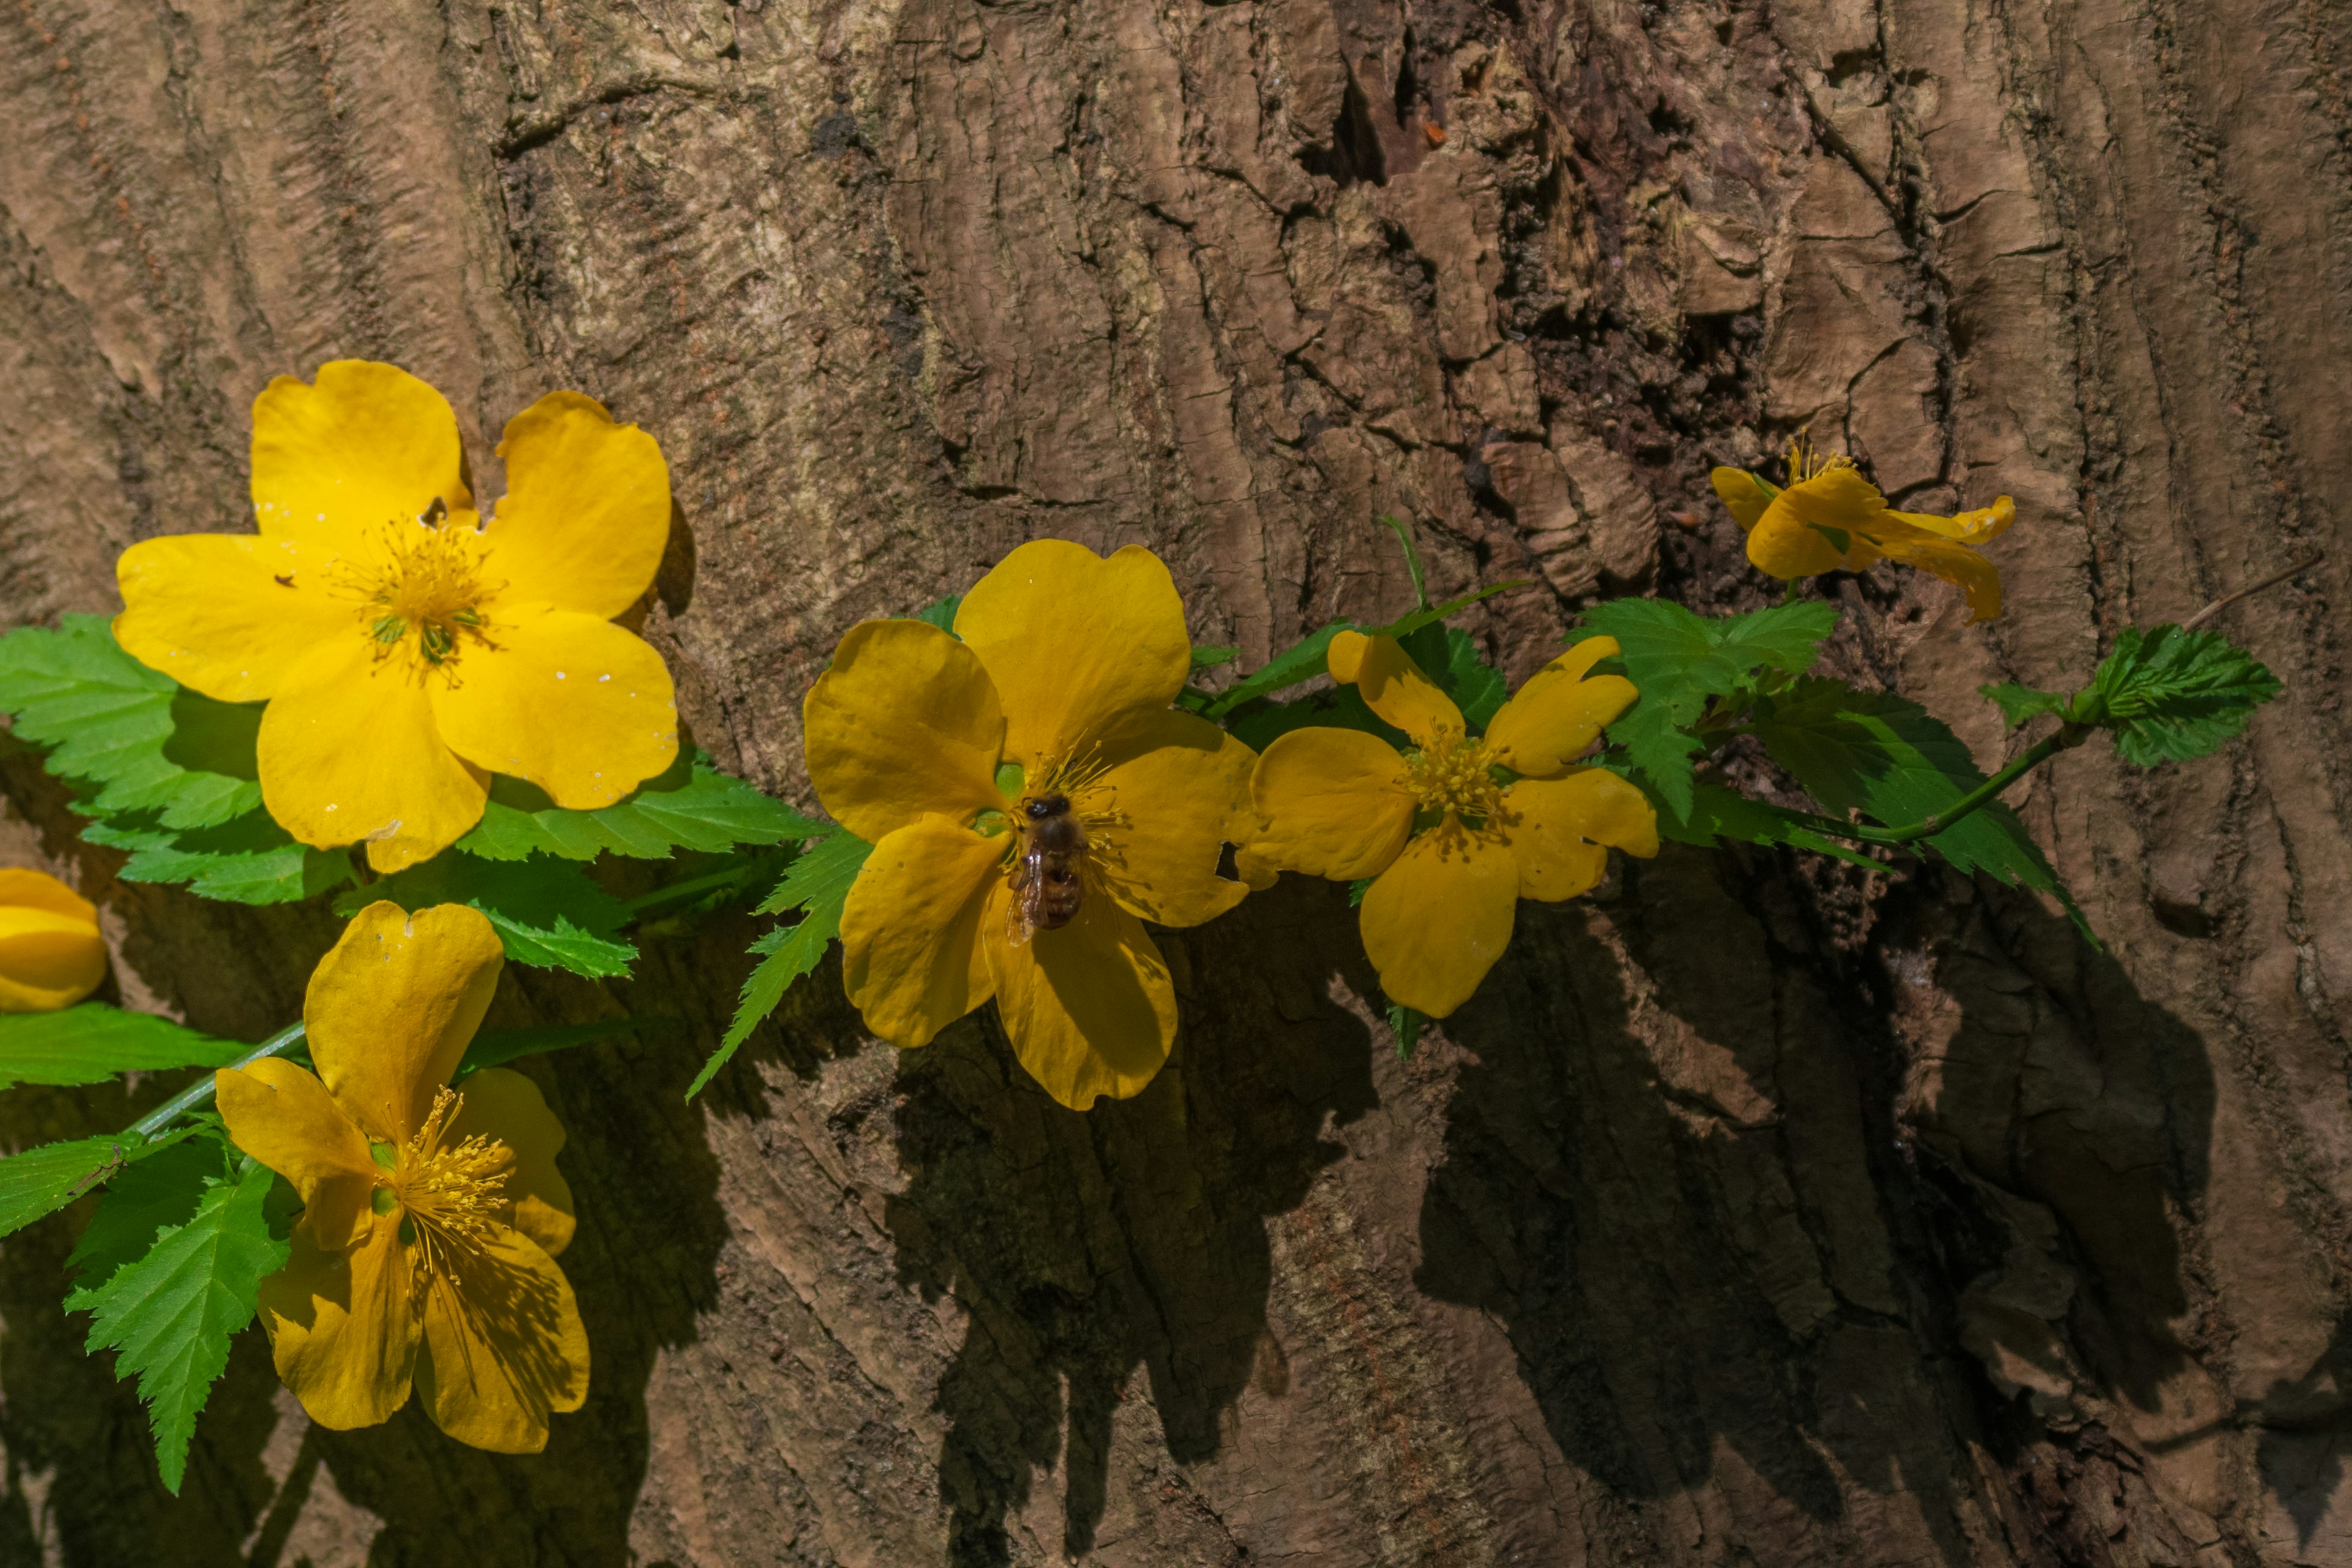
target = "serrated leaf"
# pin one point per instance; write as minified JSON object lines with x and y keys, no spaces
{"x":248,"y":861}
{"x":2172,"y":696}
{"x":1210,"y":658}
{"x":823,"y":874}
{"x":111,"y":720}
{"x":1475,"y":686}
{"x":547,"y":911}
{"x":791,"y":953}
{"x":1404,"y":626}
{"x":1783,"y":637}
{"x":43,"y":1180}
{"x":1897,"y":764}
{"x":495,"y":1047}
{"x":92,"y":1042}
{"x":169,"y":1315}
{"x":2019,"y":703}
{"x":1294,"y":666}
{"x":1718,"y":814}
{"x":1341,"y":708}
{"x":940,"y":613}
{"x":1405,"y":1026}
{"x":692,"y":805}
{"x":150,"y":1195}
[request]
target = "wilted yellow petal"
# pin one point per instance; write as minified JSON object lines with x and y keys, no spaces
{"x":1559,"y":712}
{"x":228,"y":615}
{"x":503,"y":1345}
{"x":1330,"y":803}
{"x":912,"y":958}
{"x":1393,"y":686}
{"x":502,"y":1104}
{"x":1175,"y":781}
{"x":368,"y":445}
{"x":586,"y":512}
{"x":349,"y":752}
{"x":391,"y":1009}
{"x":1075,"y":643}
{"x":1956,"y":564}
{"x":1435,"y":921}
{"x":1089,"y":1009}
{"x":578,"y":706}
{"x":1744,"y":494}
{"x":283,"y":1115}
{"x":1558,"y":829}
{"x":905,"y":723}
{"x":52,"y":954}
{"x":1966,"y":526}
{"x":343,"y":1328}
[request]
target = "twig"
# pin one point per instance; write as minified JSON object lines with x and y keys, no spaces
{"x":2273,"y":581}
{"x":200,"y":1093}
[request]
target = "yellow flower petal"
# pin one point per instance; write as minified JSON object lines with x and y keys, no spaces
{"x":283,"y":1115}
{"x":1437,"y":919}
{"x":1074,"y":643}
{"x":905,"y":723}
{"x":912,"y":959}
{"x":1089,"y":1009}
{"x":392,"y":1006}
{"x":342,"y":1329}
{"x":1559,"y":712}
{"x":1178,"y":782}
{"x":368,"y":445}
{"x":503,"y":1346}
{"x":1787,"y":543}
{"x":52,"y":954}
{"x":580,"y":707}
{"x":1967,"y":527}
{"x":1557,"y":827}
{"x":1956,"y":564}
{"x":503,"y":1104}
{"x":228,"y":614}
{"x":1393,"y":686}
{"x":350,"y":752}
{"x":1331,"y":803}
{"x":1743,"y":493}
{"x":586,"y":512}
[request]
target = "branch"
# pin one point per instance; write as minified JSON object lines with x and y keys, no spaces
{"x":2273,"y":581}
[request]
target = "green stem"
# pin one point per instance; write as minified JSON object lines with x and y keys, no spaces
{"x":200,"y":1093}
{"x":2067,"y":737}
{"x":674,"y":893}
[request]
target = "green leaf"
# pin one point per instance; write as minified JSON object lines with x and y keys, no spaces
{"x":93,"y":1042}
{"x":169,"y":1315}
{"x":496,"y":1047}
{"x":547,"y":911}
{"x":1718,"y":814}
{"x":692,"y":805}
{"x":1406,"y":1025}
{"x":247,"y":861}
{"x":940,"y":613}
{"x":2019,"y":703}
{"x":1873,"y":752}
{"x":43,"y":1180}
{"x":1783,"y":637}
{"x":1210,"y":658}
{"x":1403,"y":531}
{"x":818,"y":884}
{"x":1405,"y":625}
{"x":821,"y":875}
{"x":111,"y":720}
{"x":151,"y":1195}
{"x":2171,"y":695}
{"x":1475,"y":686}
{"x":1294,"y":666}
{"x":1341,"y":708}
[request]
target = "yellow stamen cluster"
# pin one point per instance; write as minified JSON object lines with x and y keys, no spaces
{"x":1451,"y":774}
{"x":451,"y":1195}
{"x":427,"y":586}
{"x":1804,"y":463}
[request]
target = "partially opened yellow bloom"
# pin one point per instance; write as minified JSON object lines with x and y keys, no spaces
{"x":931,"y":749}
{"x":51,"y":952}
{"x":407,"y":647}
{"x":425,"y":1256}
{"x":1830,"y":518}
{"x":1456,"y":831}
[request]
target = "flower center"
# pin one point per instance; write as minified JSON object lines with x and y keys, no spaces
{"x":1804,"y":463}
{"x":451,"y":1194}
{"x":422,"y":598}
{"x":1452,"y":775}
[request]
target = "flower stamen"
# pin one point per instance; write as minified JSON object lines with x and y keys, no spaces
{"x":426,"y":584}
{"x":1452,"y":775}
{"x":452,"y":1198}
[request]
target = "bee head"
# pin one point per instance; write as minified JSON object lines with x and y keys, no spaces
{"x":1046,"y":806}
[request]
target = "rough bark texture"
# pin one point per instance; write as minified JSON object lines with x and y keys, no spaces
{"x":1754,"y":1213}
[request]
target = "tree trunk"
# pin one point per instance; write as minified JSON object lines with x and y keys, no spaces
{"x":1755,"y":1210}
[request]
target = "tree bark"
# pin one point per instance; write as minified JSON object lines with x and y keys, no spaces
{"x":1755,"y":1210}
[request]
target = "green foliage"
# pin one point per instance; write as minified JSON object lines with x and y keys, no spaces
{"x":1475,"y":686}
{"x":247,"y":861}
{"x":93,"y":1042}
{"x":547,"y":911}
{"x":1406,"y":1025}
{"x":495,"y":1047}
{"x":1210,"y":658}
{"x":2019,"y":703}
{"x":818,"y":886}
{"x":41,"y":1180}
{"x":1295,"y":666}
{"x":2172,"y":696}
{"x":158,"y":1193}
{"x":692,"y":805}
{"x":169,"y":1313}
{"x":940,"y":613}
{"x":1716,"y":813}
{"x":1889,"y":759}
{"x":1682,"y":663}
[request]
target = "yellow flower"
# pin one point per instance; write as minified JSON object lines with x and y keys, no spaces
{"x":1455,"y":832}
{"x":1830,"y":518}
{"x":431,"y":1218}
{"x":51,"y":955}
{"x":1065,"y":670}
{"x":407,"y":647}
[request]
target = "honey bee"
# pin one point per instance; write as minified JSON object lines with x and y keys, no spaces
{"x":1050,"y":875}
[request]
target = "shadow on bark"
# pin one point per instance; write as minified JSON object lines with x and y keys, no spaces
{"x":1086,"y":1246}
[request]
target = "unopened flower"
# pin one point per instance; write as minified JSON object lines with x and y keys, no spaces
{"x":1456,"y":831}
{"x":407,"y":647}
{"x":1830,"y":518}
{"x":51,"y":955}
{"x":425,"y":1255}
{"x":1033,"y":799}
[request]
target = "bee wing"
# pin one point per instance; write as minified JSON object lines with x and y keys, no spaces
{"x":1028,"y":887}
